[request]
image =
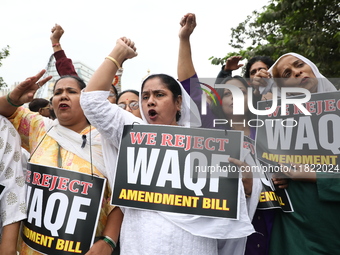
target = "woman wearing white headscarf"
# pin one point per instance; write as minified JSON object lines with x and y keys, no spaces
{"x":314,"y":226}
{"x":293,"y":64}
{"x":150,"y":232}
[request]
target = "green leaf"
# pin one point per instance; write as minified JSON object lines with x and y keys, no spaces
{"x":308,"y":27}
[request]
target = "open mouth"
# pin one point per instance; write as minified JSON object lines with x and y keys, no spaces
{"x":304,"y":80}
{"x":152,"y":114}
{"x":63,"y":106}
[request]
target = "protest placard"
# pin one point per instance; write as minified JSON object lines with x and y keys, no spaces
{"x":176,"y":169}
{"x":270,"y":197}
{"x":62,"y":210}
{"x":311,"y":141}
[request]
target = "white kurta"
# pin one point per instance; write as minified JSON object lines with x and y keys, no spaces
{"x":12,"y":201}
{"x":147,"y":232}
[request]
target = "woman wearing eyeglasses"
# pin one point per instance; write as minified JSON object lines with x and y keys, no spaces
{"x":129,"y":101}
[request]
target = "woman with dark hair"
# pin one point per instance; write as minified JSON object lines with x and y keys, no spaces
{"x":188,"y":77}
{"x":262,"y":63}
{"x":37,"y":103}
{"x":314,"y":226}
{"x":294,"y":70}
{"x":126,"y":91}
{"x":40,"y":105}
{"x":129,"y":100}
{"x":258,"y":242}
{"x":63,"y":142}
{"x":163,"y":101}
{"x":172,"y":85}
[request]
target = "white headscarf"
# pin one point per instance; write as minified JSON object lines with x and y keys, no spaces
{"x":190,"y":116}
{"x":324,"y":84}
{"x":72,"y":141}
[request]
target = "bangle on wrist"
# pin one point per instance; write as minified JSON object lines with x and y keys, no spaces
{"x":56,"y":44}
{"x":109,"y":241}
{"x":10,"y":102}
{"x":115,"y":62}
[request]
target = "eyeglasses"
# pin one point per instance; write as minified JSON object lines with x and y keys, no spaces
{"x":112,"y":95}
{"x":134,"y":105}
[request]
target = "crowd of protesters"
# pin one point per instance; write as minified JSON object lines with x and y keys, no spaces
{"x":80,"y":130}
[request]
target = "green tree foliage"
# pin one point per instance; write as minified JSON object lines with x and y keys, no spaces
{"x":4,"y":53}
{"x":308,"y":27}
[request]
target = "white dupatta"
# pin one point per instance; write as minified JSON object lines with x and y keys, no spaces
{"x":216,"y":228}
{"x":324,"y":85}
{"x":95,"y":107}
{"x":72,"y":141}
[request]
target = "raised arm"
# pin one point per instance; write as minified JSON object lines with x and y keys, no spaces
{"x":185,"y":66}
{"x":103,"y":76}
{"x":22,"y":93}
{"x":63,"y":64}
{"x":110,"y":126}
{"x":231,"y":64}
{"x":109,"y":119}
